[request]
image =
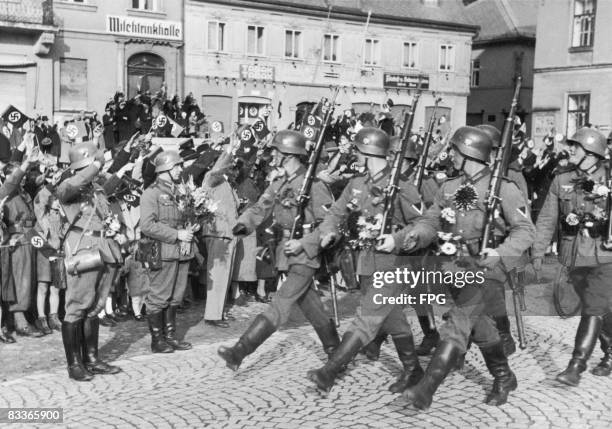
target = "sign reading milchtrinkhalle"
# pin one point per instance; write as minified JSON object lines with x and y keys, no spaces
{"x":145,"y":28}
{"x":405,"y":80}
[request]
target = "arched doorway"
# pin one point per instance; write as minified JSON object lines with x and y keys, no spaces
{"x":146,"y":72}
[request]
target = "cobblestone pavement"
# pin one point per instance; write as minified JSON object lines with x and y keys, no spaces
{"x":195,"y":389}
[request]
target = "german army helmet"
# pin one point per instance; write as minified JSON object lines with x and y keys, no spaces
{"x":165,"y":161}
{"x":82,"y":155}
{"x":372,"y":141}
{"x":591,"y":141}
{"x":473,"y":143}
{"x":412,"y":148}
{"x":290,"y":142}
{"x":493,"y":133}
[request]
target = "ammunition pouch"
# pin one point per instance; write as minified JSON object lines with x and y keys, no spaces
{"x":149,"y":253}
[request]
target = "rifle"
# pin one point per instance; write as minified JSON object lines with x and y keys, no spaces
{"x":420,"y":168}
{"x":396,"y":169}
{"x":500,"y":168}
{"x":607,"y":242}
{"x":297,"y":231}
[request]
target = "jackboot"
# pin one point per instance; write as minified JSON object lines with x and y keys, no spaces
{"x":72,"y":332}
{"x":586,"y":338}
{"x":325,"y":376}
{"x":329,"y":337}
{"x":91,"y":332}
{"x":170,"y":325}
{"x":442,"y":362}
{"x":372,"y":349}
{"x":431,"y":337}
{"x":255,"y":335}
{"x":156,"y":327}
{"x":407,"y":355}
{"x":604,"y":368}
{"x":504,"y":379}
{"x":502,"y":324}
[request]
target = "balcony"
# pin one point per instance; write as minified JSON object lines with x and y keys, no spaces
{"x":27,"y":14}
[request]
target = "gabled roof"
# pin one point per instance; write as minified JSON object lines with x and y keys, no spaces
{"x":503,"y":19}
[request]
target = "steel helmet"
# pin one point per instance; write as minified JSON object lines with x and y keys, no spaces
{"x":165,"y":161}
{"x":82,"y":155}
{"x":591,"y":141}
{"x":493,"y":133}
{"x":473,"y":143}
{"x":372,"y":141}
{"x":290,"y":142}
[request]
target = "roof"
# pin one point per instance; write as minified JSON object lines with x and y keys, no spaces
{"x":503,"y":19}
{"x":449,"y":14}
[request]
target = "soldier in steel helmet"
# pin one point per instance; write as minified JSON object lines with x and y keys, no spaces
{"x":363,"y":196}
{"x":297,"y":258}
{"x":162,"y":221}
{"x":85,"y":205}
{"x":576,"y":201}
{"x":458,"y":209}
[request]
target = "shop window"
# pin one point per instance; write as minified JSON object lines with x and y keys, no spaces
{"x":146,"y":72}
{"x":584,"y":23}
{"x":249,"y":112}
{"x":150,"y":5}
{"x":302,"y":111}
{"x":578,"y":106}
{"x":73,"y":84}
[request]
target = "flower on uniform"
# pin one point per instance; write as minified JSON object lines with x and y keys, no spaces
{"x":598,"y":213}
{"x":589,"y":224}
{"x":448,"y":248}
{"x":572,"y":219}
{"x":465,"y":197}
{"x":445,"y":236}
{"x":448,"y":214}
{"x":601,"y":190}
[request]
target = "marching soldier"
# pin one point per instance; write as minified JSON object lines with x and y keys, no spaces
{"x":577,"y":200}
{"x":298,"y":258}
{"x":162,"y":221}
{"x":363,"y":195}
{"x":94,"y":261}
{"x":459,"y":209}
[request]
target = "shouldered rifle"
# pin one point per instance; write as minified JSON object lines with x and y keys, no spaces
{"x":420,"y":168}
{"x":607,"y":242}
{"x":297,"y":231}
{"x":396,"y":169}
{"x":500,"y":168}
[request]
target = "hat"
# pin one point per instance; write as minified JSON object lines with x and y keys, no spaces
{"x":45,"y":118}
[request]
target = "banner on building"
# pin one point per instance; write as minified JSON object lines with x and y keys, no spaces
{"x":405,"y":80}
{"x":144,"y":27}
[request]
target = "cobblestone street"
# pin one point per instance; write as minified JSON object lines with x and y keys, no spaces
{"x":195,"y":389}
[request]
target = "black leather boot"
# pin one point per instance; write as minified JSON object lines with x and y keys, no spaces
{"x":372,"y":349}
{"x":430,"y":337}
{"x":586,"y":338}
{"x":325,"y":376}
{"x":412,"y":372}
{"x":170,"y":325}
{"x":91,"y":331}
{"x":255,"y":335}
{"x":443,"y":360}
{"x":329,"y":337}
{"x":72,"y":333}
{"x":604,"y":368}
{"x":503,"y":327}
{"x":156,"y":327}
{"x":504,"y":379}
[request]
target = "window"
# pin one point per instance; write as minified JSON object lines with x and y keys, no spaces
{"x":150,"y":5}
{"x":447,"y":58}
{"x":255,"y":40}
{"x":577,"y":112}
{"x":331,"y":50}
{"x":293,"y":39}
{"x":73,"y":84}
{"x":371,"y":52}
{"x":409,"y":59}
{"x":584,"y":23}
{"x":216,"y":36}
{"x":146,"y":72}
{"x":475,"y":74}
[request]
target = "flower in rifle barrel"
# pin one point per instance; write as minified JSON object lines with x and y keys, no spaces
{"x":448,"y":214}
{"x":465,"y":197}
{"x":572,"y":219}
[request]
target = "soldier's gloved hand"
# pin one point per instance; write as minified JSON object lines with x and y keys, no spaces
{"x":185,"y":235}
{"x":490,"y":259}
{"x":293,"y":247}
{"x":410,"y":241}
{"x":240,"y":229}
{"x":328,"y":240}
{"x":386,"y":243}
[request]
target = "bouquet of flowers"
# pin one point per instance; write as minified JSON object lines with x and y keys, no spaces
{"x":112,"y":229}
{"x":363,"y":231}
{"x":593,"y":223}
{"x":590,"y":188}
{"x":197,"y":208}
{"x":465,"y":197}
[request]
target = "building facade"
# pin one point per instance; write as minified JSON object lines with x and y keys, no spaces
{"x":573,"y":66}
{"x":119,"y":45}
{"x":245,"y":59}
{"x":503,"y":50}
